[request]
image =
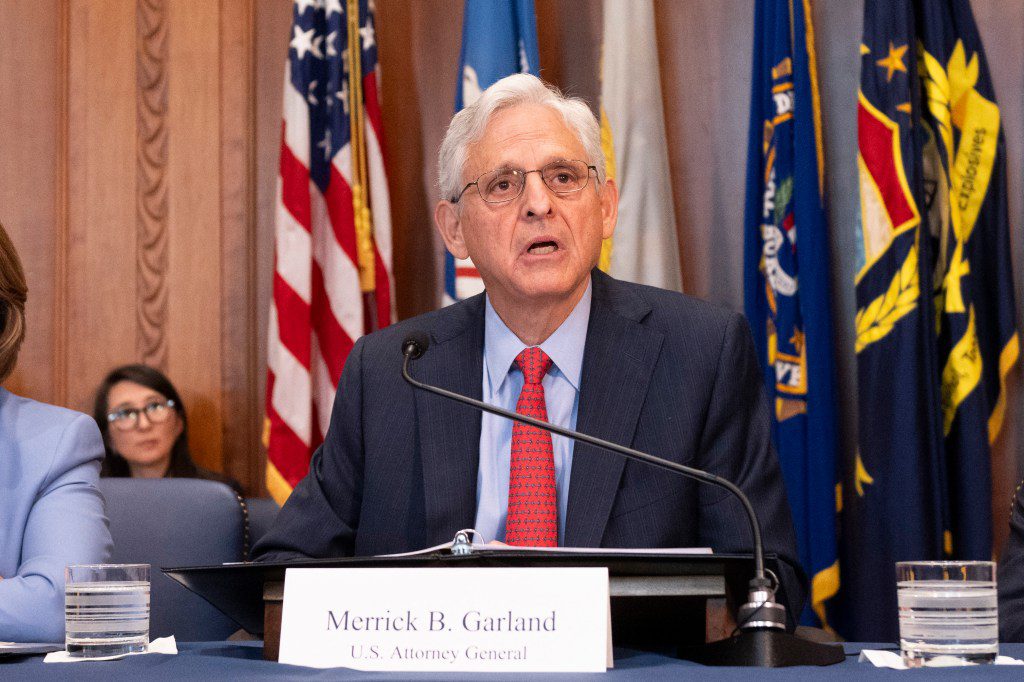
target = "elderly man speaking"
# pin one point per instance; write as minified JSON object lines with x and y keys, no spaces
{"x":525,"y":196}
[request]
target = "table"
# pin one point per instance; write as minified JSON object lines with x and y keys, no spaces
{"x":209,"y":661}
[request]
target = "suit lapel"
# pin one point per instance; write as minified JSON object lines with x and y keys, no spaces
{"x":449,"y":432}
{"x":618,"y":361}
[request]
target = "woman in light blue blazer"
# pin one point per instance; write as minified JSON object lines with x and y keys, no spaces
{"x":51,"y":512}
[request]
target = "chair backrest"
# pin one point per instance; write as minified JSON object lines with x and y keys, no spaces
{"x":173,"y":522}
{"x":262,"y":512}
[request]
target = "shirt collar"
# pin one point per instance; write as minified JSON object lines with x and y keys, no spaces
{"x":564,"y":346}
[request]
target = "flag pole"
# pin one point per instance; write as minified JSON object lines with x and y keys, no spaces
{"x":360,"y":203}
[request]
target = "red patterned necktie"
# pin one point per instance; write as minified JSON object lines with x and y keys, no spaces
{"x":532,"y":519}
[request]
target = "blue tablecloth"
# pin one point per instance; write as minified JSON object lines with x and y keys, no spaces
{"x":211,"y":661}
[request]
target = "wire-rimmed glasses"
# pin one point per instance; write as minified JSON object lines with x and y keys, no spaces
{"x":503,"y":185}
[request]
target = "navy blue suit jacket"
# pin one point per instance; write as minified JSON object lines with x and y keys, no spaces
{"x":1011,"y":575}
{"x":662,"y":373}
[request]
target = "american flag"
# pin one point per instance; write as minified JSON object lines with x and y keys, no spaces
{"x":332,"y":280}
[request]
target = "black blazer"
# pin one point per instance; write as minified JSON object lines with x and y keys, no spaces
{"x":662,"y":373}
{"x":1011,"y":576}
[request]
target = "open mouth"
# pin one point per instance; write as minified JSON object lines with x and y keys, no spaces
{"x":542,"y":248}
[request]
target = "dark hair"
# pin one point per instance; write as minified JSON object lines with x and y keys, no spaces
{"x":13,"y":292}
{"x":114,"y":464}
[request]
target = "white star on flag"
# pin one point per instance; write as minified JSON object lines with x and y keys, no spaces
{"x":342,"y":96}
{"x":310,"y":97}
{"x":332,"y":51}
{"x":332,"y":6}
{"x":302,"y":5}
{"x":325,"y":144}
{"x":366,"y":33}
{"x":304,"y":42}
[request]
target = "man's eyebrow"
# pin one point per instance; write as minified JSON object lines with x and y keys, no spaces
{"x":513,"y":166}
{"x":557,"y":160}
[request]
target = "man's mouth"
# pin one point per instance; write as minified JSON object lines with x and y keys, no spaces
{"x":542,"y":248}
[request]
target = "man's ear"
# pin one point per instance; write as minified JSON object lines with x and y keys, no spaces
{"x":609,"y":208}
{"x":449,"y":225}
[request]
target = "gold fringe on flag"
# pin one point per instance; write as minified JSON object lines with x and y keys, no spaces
{"x":360,"y":201}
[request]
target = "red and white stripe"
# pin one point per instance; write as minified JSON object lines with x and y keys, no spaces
{"x":318,"y":307}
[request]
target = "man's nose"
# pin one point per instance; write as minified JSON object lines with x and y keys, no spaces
{"x":536,"y":195}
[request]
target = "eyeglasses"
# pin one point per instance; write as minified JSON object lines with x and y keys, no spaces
{"x":503,"y":185}
{"x":127,"y":418}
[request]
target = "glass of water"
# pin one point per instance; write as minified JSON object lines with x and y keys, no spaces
{"x":947,"y":609}
{"x":106,"y":609}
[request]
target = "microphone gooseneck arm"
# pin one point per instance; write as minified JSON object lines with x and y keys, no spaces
{"x":414,"y":348}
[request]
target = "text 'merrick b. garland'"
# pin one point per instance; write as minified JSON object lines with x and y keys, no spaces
{"x":441,"y":621}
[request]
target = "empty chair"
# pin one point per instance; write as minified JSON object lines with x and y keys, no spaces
{"x":172,"y":522}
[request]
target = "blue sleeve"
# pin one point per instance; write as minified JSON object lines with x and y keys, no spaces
{"x":66,"y":525}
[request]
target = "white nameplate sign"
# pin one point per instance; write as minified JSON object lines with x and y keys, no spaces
{"x":456,"y":619}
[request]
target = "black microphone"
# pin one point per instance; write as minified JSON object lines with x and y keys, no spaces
{"x":415,"y":345}
{"x":762,"y":611}
{"x":762,"y":621}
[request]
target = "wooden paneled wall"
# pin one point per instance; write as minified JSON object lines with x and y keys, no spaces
{"x":127,"y":185}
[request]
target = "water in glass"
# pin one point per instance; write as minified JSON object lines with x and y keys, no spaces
{"x":106,"y":618}
{"x":948,"y":618}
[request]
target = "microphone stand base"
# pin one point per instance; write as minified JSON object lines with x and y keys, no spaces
{"x":764,"y":649}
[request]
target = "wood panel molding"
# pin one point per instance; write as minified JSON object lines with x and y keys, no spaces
{"x":151,"y":167}
{"x":62,"y":226}
{"x":242,"y":453}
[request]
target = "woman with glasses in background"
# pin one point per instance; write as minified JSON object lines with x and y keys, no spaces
{"x":144,"y":427}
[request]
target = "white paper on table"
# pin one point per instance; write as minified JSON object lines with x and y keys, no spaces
{"x":163,"y":645}
{"x":501,"y":547}
{"x":892,"y":659}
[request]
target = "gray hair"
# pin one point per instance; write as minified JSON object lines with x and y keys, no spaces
{"x":468,"y":125}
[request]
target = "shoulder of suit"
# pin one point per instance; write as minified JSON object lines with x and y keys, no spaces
{"x":24,"y":416}
{"x":667,"y":308}
{"x":437,"y":324}
{"x":39,"y":432}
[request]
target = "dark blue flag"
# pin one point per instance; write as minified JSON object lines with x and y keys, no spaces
{"x":965,"y":198}
{"x":786,"y":281}
{"x":935,"y":331}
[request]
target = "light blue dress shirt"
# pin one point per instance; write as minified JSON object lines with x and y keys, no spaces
{"x":502,"y":383}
